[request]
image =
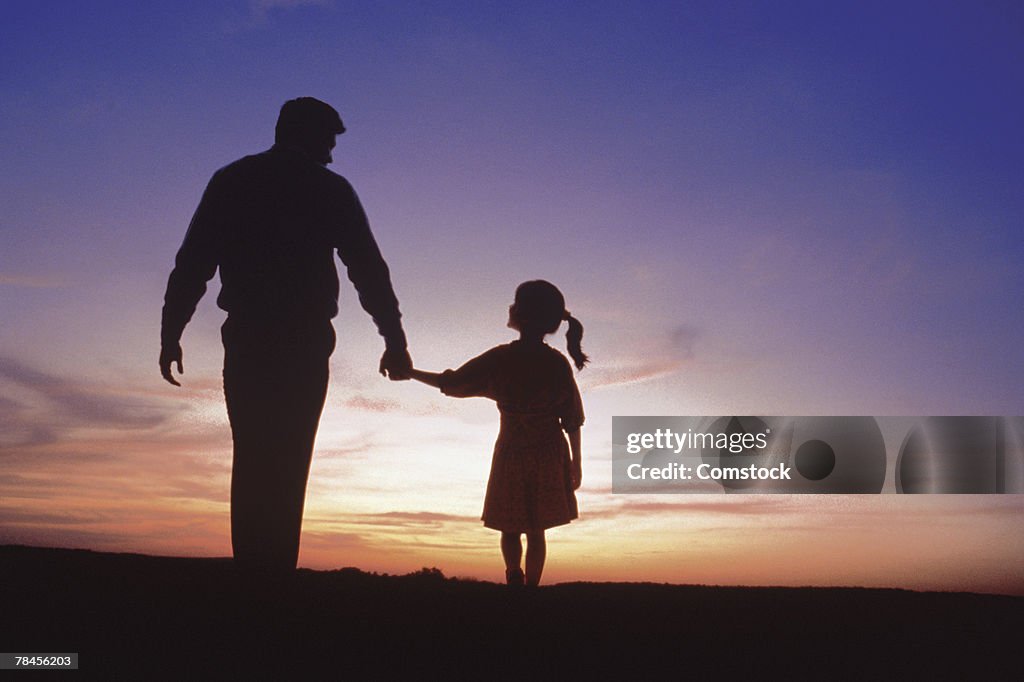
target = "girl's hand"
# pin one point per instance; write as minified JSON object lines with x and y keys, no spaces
{"x":576,"y":476}
{"x":428,"y":378}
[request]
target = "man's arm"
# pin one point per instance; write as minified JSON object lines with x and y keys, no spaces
{"x":369,"y":274}
{"x":194,"y":266}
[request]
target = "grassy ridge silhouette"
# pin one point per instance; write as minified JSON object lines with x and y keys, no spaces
{"x":162,"y":617}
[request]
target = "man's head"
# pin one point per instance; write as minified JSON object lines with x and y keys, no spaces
{"x":310,"y":125}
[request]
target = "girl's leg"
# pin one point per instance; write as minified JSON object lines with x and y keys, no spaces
{"x":536,"y":552}
{"x":512,"y":553}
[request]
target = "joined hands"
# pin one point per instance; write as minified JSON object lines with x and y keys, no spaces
{"x":396,"y":365}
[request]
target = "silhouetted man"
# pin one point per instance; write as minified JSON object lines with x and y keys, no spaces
{"x":271,"y":223}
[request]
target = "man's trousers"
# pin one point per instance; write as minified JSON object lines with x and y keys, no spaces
{"x":275,"y":384}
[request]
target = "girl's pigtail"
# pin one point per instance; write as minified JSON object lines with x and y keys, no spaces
{"x":573,"y":337}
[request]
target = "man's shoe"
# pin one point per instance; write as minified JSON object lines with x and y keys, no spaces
{"x":514,"y":577}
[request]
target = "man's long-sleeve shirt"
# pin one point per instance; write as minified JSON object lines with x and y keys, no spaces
{"x":272,"y":222}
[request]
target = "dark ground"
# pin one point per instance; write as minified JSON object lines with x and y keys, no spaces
{"x":131,"y":616}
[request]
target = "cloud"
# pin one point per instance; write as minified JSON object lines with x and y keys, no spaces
{"x":664,"y":356}
{"x":748,"y":506}
{"x":262,"y":9}
{"x":29,"y":281}
{"x":684,"y":340}
{"x":56,"y":518}
{"x":59,"y":536}
{"x":366,"y":403}
{"x":362,"y":402}
{"x":604,"y":377}
{"x":871,"y":514}
{"x":400,"y":519}
{"x":393,"y":539}
{"x":41,"y":407}
{"x":392,"y":520}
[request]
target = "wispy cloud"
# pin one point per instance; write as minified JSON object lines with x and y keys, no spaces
{"x":40,"y":407}
{"x":29,"y":281}
{"x":863,"y":511}
{"x":603,"y":377}
{"x":660,"y":356}
{"x":362,"y":402}
{"x":683,"y":339}
{"x":261,"y":10}
{"x":745,"y":506}
{"x":401,"y":519}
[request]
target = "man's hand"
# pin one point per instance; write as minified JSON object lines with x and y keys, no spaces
{"x":170,"y":355}
{"x":396,"y":365}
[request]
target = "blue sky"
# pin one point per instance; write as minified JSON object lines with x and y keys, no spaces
{"x":763,"y":208}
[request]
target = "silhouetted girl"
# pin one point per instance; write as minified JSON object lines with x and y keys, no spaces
{"x":534,"y":472}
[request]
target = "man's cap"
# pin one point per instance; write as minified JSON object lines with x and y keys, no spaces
{"x":308,"y":114}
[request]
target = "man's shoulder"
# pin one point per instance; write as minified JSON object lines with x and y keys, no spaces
{"x":277,"y":173}
{"x":335,"y":179}
{"x":271,"y":161}
{"x":239,"y":168}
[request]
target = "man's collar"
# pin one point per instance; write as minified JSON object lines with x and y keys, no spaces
{"x":293,"y":150}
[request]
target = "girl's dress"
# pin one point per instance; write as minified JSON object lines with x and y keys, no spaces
{"x":530,"y":487}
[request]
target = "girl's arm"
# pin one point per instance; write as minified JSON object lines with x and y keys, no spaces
{"x":428,"y":378}
{"x":576,"y":469}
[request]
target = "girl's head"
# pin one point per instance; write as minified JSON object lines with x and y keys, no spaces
{"x":539,"y":308}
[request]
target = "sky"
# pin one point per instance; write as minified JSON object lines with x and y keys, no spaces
{"x":792,"y":208}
